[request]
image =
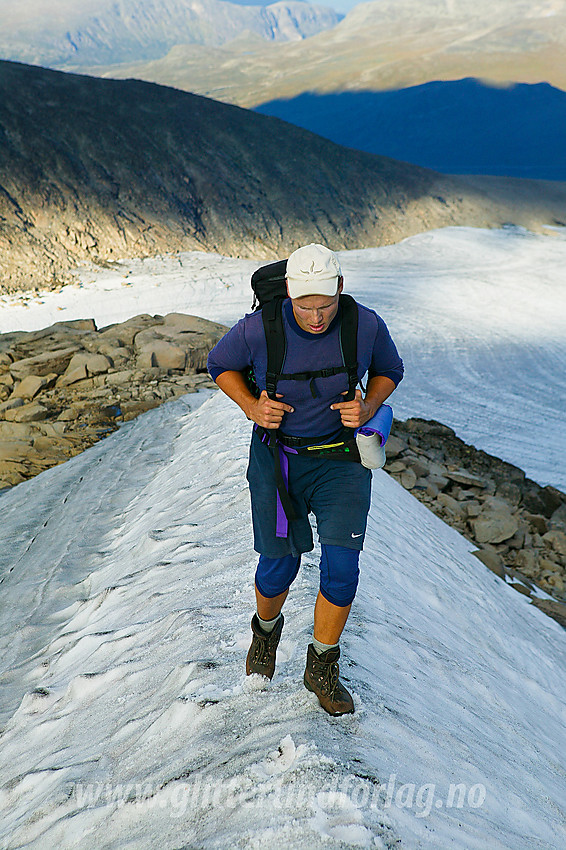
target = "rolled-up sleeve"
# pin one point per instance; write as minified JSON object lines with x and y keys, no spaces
{"x":385,"y":357}
{"x":231,"y":353}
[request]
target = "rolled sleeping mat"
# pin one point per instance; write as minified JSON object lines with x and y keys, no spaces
{"x":371,"y":438}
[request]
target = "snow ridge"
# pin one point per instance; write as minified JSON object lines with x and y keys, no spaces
{"x":139,"y":728}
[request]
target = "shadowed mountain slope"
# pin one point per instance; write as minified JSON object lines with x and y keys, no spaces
{"x":95,"y":170}
{"x":461,"y":127}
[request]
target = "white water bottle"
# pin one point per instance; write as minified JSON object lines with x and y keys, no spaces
{"x":371,"y":438}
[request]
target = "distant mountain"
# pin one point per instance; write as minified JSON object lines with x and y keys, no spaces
{"x":461,"y":127}
{"x":62,"y":32}
{"x":378,"y":46}
{"x":94,"y":170}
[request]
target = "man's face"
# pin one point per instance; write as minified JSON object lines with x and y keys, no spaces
{"x":314,"y":313}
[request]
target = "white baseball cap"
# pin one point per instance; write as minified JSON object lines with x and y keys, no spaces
{"x":313,"y":270}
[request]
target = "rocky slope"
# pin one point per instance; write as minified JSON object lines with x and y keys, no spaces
{"x":94,"y":170}
{"x":59,"y":32}
{"x":65,"y":387}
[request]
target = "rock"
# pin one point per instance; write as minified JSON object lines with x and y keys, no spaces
{"x":438,"y":481}
{"x":494,"y":528}
{"x":510,"y":492}
{"x":472,"y":509}
{"x":555,"y":540}
{"x":159,"y":352}
{"x":33,"y":384}
{"x":537,"y":523}
{"x":44,"y":364}
{"x":125,"y":332}
{"x":522,"y":588}
{"x":394,"y":446}
{"x":491,"y":504}
{"x":553,"y":580}
{"x":545,"y":500}
{"x":32,"y":412}
{"x":526,"y":561}
{"x":558,"y":518}
{"x":419,"y":466}
{"x":492,"y":561}
{"x":10,"y":404}
{"x":117,"y":378}
{"x":408,"y":479}
{"x":460,"y":476}
{"x":451,"y":506}
{"x":97,"y":364}
{"x":396,"y":467}
{"x":72,"y":375}
{"x":518,"y":539}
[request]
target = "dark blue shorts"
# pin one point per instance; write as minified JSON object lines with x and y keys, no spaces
{"x":337,"y":492}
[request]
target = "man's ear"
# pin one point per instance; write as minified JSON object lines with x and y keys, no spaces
{"x":287,"y":287}
{"x":340,"y":285}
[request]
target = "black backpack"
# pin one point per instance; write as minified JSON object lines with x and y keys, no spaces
{"x":270,"y":290}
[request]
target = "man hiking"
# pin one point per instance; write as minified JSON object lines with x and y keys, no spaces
{"x":302,"y":438}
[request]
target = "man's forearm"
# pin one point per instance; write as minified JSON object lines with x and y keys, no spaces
{"x":235,"y":387}
{"x":379,"y":388}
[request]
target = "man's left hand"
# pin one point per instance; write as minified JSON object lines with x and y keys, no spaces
{"x":354,"y":413}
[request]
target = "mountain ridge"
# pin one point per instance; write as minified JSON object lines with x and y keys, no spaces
{"x":92,"y":170}
{"x":58,"y":33}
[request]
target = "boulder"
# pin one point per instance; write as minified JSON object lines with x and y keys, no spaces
{"x":509,"y":492}
{"x":44,"y":364}
{"x":558,"y":518}
{"x":555,"y":540}
{"x":537,"y":523}
{"x":451,"y":506}
{"x":408,"y":479}
{"x":492,"y":561}
{"x":494,"y":527}
{"x":10,"y":404}
{"x":31,"y":385}
{"x":460,"y":476}
{"x":32,"y":412}
{"x":394,"y":446}
{"x":160,"y":352}
{"x":419,"y":466}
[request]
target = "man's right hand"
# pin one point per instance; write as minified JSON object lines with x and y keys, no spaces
{"x":268,"y":413}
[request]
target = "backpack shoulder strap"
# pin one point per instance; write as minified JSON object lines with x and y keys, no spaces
{"x":349,"y":341}
{"x":272,"y":316}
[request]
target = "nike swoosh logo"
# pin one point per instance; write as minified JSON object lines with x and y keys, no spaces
{"x":357,"y":535}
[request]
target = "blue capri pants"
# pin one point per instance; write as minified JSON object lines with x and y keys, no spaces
{"x":338,"y":493}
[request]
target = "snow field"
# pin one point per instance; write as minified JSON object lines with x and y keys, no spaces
{"x":130,"y":722}
{"x":479,"y":317}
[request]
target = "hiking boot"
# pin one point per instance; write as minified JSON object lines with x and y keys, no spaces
{"x":261,"y":654}
{"x":321,"y":677}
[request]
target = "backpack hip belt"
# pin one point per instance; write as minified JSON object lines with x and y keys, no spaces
{"x":343,"y":447}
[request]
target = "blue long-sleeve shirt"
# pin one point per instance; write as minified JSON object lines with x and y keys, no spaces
{"x":244,"y":345}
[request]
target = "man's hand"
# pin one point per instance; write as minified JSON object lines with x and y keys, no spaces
{"x":354,"y":413}
{"x":268,"y":413}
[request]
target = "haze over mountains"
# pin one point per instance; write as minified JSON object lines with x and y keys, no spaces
{"x":395,"y":77}
{"x":94,"y":169}
{"x":381,"y":45}
{"x":62,"y":32}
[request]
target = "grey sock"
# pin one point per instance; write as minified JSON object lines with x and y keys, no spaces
{"x":322,"y":647}
{"x":268,"y":625}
